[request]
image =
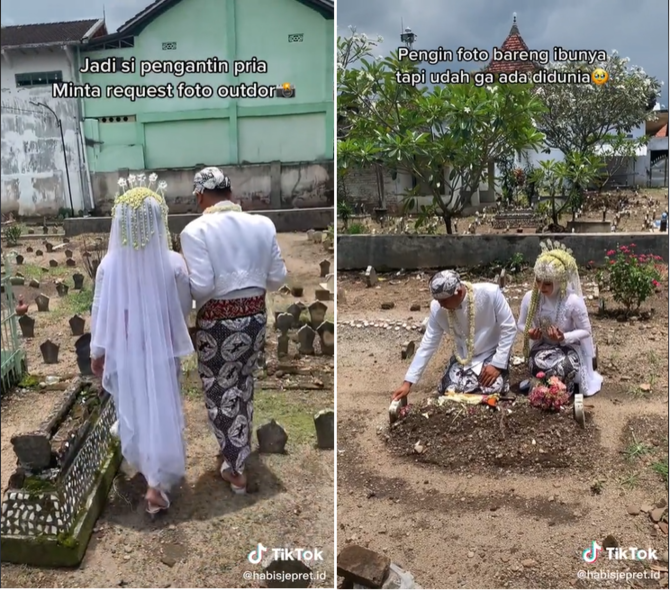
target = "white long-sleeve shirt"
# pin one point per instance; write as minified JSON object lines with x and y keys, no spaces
{"x":231,"y":255}
{"x":495,"y":331}
{"x":571,"y":317}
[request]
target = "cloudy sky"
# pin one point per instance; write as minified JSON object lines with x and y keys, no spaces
{"x":22,"y":12}
{"x":637,"y":30}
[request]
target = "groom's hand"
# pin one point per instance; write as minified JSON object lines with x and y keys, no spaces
{"x":489,"y":375}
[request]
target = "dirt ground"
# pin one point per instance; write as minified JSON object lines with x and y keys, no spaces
{"x":646,"y":203}
{"x":471,"y":508}
{"x":205,"y":538}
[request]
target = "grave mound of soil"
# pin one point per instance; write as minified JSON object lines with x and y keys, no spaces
{"x":517,"y":438}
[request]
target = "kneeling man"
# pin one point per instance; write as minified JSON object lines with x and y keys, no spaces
{"x":483,"y":329}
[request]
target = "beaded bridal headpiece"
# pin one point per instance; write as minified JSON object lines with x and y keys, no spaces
{"x":132,"y":209}
{"x":556,"y":264}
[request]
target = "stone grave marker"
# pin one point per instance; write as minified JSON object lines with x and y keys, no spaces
{"x":284,"y":290}
{"x":324,"y":422}
{"x":53,"y":263}
{"x":370,"y":276}
{"x":297,"y":291}
{"x":324,"y":266}
{"x":68,"y":253}
{"x":78,"y":279}
{"x":29,"y":249}
{"x":323,"y":295}
{"x":310,"y":235}
{"x":42,"y":302}
{"x":285,"y":322}
{"x":62,"y":289}
{"x":272,"y":438}
{"x":66,"y":240}
{"x":317,"y":313}
{"x":502,"y":279}
{"x":34,"y":283}
{"x":317,"y":237}
{"x":33,"y":450}
{"x":49,"y":351}
{"x":39,"y":253}
{"x":408,"y":350}
{"x":283,"y":341}
{"x":19,"y":259}
{"x":77,"y":325}
{"x":362,"y":566}
{"x":17,"y":280}
{"x":306,"y":336}
{"x":326,"y":332}
{"x":70,"y":263}
{"x":27,"y":325}
{"x":296,"y":310}
{"x":49,"y":247}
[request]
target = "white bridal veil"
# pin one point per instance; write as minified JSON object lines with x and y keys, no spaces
{"x":138,"y":324}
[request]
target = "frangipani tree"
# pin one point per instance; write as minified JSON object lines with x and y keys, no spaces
{"x":579,"y":117}
{"x":444,"y":137}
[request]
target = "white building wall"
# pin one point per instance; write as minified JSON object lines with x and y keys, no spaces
{"x":34,"y":180}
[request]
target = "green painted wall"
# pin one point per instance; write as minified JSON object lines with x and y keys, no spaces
{"x":184,"y":133}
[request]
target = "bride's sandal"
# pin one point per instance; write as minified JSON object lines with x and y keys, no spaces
{"x":238,"y":490}
{"x":156,"y":509}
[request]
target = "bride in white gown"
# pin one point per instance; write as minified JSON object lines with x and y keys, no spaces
{"x":555,"y":323}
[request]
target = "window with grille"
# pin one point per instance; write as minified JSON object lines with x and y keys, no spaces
{"x":38,"y":78}
{"x":169,"y":46}
{"x":296,"y":38}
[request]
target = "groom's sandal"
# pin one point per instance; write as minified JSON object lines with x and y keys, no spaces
{"x":238,"y":490}
{"x":156,"y":509}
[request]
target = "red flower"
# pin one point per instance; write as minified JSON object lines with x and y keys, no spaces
{"x":655,"y":283}
{"x":610,"y":253}
{"x":540,"y":375}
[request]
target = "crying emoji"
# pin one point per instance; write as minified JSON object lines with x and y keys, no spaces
{"x":599,"y":76}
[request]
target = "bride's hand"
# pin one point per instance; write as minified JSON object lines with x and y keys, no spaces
{"x":555,"y":334}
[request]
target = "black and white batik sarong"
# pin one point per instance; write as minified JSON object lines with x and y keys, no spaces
{"x":561,"y":361}
{"x":230,"y":337}
{"x":458,"y":379}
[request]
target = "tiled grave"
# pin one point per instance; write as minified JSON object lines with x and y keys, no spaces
{"x":48,"y":514}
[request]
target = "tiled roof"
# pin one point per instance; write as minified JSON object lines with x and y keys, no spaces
{"x":514,"y":42}
{"x":663,"y":132}
{"x":46,"y":34}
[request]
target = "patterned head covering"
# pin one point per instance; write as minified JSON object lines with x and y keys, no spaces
{"x":210,"y":179}
{"x":444,"y":284}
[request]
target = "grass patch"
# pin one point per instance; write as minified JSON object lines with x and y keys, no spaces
{"x":636,"y":450}
{"x":291,"y":410}
{"x":75,"y":302}
{"x":661,"y":468}
{"x":630,"y":481}
{"x":33,"y":271}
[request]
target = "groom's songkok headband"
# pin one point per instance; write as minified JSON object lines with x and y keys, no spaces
{"x":444,"y":284}
{"x":210,"y":179}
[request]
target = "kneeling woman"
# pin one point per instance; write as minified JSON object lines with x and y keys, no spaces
{"x":555,"y":323}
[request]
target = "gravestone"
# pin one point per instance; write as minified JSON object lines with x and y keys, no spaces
{"x":53,"y":263}
{"x":282,"y":345}
{"x":272,"y":438}
{"x":317,"y":237}
{"x":33,"y":450}
{"x":310,"y":235}
{"x":363,"y":566}
{"x":78,"y":279}
{"x":297,"y":291}
{"x":62,"y":289}
{"x":370,"y":277}
{"x":317,"y":313}
{"x":284,"y":290}
{"x":70,"y":263}
{"x":39,"y":253}
{"x":68,"y":254}
{"x":49,"y":351}
{"x":16,"y":280}
{"x":49,"y":247}
{"x":77,"y":325}
{"x":29,"y":249}
{"x":19,"y":259}
{"x":323,"y":295}
{"x":326,"y":332}
{"x":284,"y":322}
{"x":66,"y":240}
{"x":34,"y":283}
{"x":296,"y":310}
{"x":42,"y":302}
{"x":325,"y":267}
{"x":82,"y":347}
{"x":408,"y":350}
{"x":306,"y":336}
{"x":324,"y":422}
{"x":27,"y":325}
{"x":501,"y":279}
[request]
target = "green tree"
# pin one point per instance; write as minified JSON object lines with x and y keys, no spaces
{"x":444,"y":137}
{"x":579,"y":117}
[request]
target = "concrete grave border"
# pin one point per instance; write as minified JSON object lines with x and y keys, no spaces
{"x":391,"y":252}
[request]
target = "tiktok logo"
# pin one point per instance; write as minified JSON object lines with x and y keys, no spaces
{"x":590,"y":555}
{"x":255,"y":556}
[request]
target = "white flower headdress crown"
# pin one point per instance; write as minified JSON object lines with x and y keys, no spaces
{"x":130,"y":207}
